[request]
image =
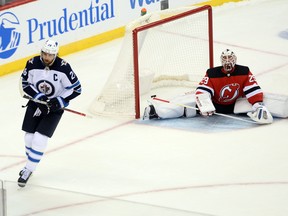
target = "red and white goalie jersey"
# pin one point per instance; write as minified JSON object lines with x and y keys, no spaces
{"x":225,"y":88}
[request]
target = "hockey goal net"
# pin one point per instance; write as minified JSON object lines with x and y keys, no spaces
{"x":164,"y":50}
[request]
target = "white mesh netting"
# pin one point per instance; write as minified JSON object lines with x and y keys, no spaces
{"x":174,"y":54}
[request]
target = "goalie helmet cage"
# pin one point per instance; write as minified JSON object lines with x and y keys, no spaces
{"x":165,"y":49}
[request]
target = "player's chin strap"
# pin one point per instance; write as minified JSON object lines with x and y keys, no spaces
{"x":215,"y":113}
{"x":65,"y":109}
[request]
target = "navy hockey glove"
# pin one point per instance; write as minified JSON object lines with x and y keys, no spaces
{"x":57,"y":103}
{"x":42,"y":107}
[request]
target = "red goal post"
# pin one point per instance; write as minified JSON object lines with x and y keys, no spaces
{"x":164,"y":50}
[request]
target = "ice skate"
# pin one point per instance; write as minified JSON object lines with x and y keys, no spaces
{"x":150,"y":113}
{"x":24,"y":177}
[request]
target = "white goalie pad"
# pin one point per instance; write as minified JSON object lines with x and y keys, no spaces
{"x":176,"y":108}
{"x":275,"y":103}
{"x":205,"y":104}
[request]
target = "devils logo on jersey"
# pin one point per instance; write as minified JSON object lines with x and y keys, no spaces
{"x":45,"y":87}
{"x":229,"y":92}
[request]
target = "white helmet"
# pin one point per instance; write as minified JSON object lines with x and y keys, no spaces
{"x":228,"y":60}
{"x":50,"y":47}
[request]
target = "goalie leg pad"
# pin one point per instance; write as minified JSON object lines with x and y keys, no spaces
{"x":187,"y":99}
{"x":160,"y":110}
{"x":172,"y":110}
{"x":188,"y":113}
{"x":167,"y":110}
{"x":275,"y":103}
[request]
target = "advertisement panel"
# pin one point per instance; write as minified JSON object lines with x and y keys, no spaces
{"x":23,"y":29}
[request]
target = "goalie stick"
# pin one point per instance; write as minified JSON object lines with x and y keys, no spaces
{"x":65,"y":109}
{"x":190,"y":107}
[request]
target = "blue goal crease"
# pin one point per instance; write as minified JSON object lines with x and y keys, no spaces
{"x":199,"y":123}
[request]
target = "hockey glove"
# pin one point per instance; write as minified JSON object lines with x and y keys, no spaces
{"x":260,"y":114}
{"x":204,"y":104}
{"x":43,"y":108}
{"x":57,"y":103}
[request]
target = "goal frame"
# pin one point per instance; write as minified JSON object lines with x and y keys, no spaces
{"x":137,"y":30}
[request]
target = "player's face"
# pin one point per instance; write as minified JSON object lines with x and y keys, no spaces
{"x":47,"y":58}
{"x":227,"y":63}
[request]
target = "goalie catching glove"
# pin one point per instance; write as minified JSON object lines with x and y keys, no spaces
{"x":260,"y":114}
{"x":205,"y":104}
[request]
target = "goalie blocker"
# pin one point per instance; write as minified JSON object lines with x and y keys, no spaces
{"x":205,"y":104}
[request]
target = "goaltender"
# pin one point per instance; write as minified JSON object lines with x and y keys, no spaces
{"x":220,"y":91}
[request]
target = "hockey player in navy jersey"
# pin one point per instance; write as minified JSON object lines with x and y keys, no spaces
{"x":51,"y":80}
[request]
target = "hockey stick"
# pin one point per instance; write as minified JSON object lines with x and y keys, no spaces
{"x":190,"y":107}
{"x":65,"y":109}
{"x":22,"y":93}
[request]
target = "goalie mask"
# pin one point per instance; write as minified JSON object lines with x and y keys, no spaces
{"x":228,"y":60}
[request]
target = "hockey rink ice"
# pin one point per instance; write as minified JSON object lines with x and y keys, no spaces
{"x":191,"y":167}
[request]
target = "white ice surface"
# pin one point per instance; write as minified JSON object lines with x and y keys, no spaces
{"x":225,"y":173}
